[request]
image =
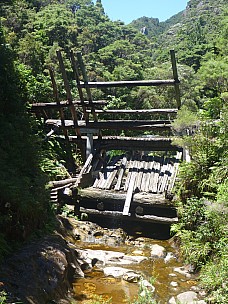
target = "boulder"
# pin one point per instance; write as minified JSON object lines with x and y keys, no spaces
{"x":157,"y":251}
{"x":188,"y":297}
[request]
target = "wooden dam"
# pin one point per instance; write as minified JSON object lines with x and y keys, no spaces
{"x":125,"y":177}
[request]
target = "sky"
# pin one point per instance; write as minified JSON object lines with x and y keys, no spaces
{"x":128,"y":10}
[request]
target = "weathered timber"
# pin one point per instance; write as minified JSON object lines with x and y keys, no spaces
{"x":121,"y":173}
{"x":135,"y":111}
{"x":65,"y":104}
{"x":63,"y":182}
{"x":56,"y":95}
{"x":175,"y":170}
{"x":116,"y":124}
{"x":68,"y":91}
{"x":130,"y":190}
{"x":136,"y":217}
{"x":80,"y":92}
{"x":175,"y":76}
{"x":133,"y":83}
{"x":113,"y":168}
{"x":96,"y":195}
{"x":85,"y":169}
{"x":85,"y":79}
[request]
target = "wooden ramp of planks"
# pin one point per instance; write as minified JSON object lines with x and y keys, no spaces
{"x":149,"y":174}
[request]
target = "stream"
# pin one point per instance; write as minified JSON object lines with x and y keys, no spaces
{"x":167,"y":273}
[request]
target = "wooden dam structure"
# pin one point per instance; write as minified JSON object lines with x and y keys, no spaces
{"x":135,"y":184}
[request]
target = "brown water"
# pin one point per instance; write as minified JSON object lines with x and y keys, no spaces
{"x":95,"y":284}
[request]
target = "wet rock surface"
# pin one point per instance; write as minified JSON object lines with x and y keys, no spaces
{"x":85,"y":254}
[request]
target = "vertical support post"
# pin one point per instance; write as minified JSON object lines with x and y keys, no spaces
{"x":56,"y":95}
{"x":175,"y":76}
{"x":69,"y":96}
{"x":71,"y":166}
{"x":89,"y":144}
{"x":77,"y":78}
{"x":85,"y":79}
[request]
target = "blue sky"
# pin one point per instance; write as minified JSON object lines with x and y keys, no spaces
{"x":128,"y":10}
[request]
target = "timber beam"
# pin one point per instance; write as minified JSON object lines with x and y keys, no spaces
{"x":144,"y":218}
{"x":116,"y":124}
{"x":134,"y":83}
{"x":64,"y":104}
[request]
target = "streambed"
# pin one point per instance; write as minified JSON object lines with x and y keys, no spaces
{"x":169,"y":276}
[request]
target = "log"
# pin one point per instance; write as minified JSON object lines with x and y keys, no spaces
{"x":116,"y":124}
{"x":135,"y":217}
{"x":65,"y":104}
{"x":63,"y":182}
{"x":128,"y":143}
{"x":109,"y":196}
{"x":135,"y":111}
{"x":127,"y":83}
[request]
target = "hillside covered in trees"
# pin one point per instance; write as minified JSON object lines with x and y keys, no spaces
{"x":30,"y":33}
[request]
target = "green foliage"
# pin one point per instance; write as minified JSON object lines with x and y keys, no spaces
{"x":3,"y":297}
{"x":145,"y":294}
{"x":214,"y":278}
{"x":186,"y":121}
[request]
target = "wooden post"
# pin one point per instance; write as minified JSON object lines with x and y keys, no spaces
{"x":76,"y":76}
{"x":85,"y":79}
{"x":175,"y":76}
{"x":56,"y":95}
{"x":69,"y":96}
{"x":89,"y":144}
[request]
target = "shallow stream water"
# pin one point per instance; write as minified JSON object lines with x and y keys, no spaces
{"x":167,"y":280}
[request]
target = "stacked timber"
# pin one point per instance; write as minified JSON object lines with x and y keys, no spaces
{"x":144,"y":174}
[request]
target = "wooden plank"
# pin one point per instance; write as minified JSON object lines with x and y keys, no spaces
{"x":130,"y":191}
{"x":129,"y":172}
{"x":134,"y":83}
{"x":107,"y":172}
{"x":84,"y":169}
{"x":112,"y":175}
{"x":156,"y":177}
{"x":175,"y":170}
{"x":139,"y":176}
{"x":121,"y":173}
{"x":148,"y":174}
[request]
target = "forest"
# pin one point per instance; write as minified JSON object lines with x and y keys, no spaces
{"x":31,"y":31}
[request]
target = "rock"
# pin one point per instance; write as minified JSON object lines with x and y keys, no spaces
{"x":131,"y":277}
{"x":138,"y":252}
{"x":172,"y":301}
{"x":116,"y":272}
{"x":182,"y":270}
{"x":157,"y":251}
{"x":170,"y":256}
{"x":174,"y":284}
{"x":105,"y":258}
{"x":147,"y":285}
{"x":41,"y":271}
{"x":172,"y":275}
{"x":187,"y":297}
